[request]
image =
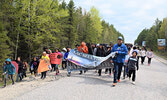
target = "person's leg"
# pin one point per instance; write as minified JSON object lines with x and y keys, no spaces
{"x":143,"y":59}
{"x":106,"y":70}
{"x":20,"y":76}
{"x":130,"y":72}
{"x":134,"y":75}
{"x":115,"y":72}
{"x":12,"y":79}
{"x":42,"y":74}
{"x":80,"y":72}
{"x":57,"y":69}
{"x":109,"y":71}
{"x":99,"y":72}
{"x":45,"y":74}
{"x":17,"y":77}
{"x":119,"y":70}
{"x":124,"y":74}
{"x":5,"y":80}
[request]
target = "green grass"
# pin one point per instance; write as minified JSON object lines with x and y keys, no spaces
{"x":161,"y":54}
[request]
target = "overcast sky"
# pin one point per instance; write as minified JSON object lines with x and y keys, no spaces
{"x":128,"y":16}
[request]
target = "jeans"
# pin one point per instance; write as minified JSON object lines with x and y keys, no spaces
{"x":7,"y":77}
{"x":19,"y":75}
{"x":117,"y":71}
{"x":125,"y":71}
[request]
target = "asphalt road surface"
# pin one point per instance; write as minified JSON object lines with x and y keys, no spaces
{"x":151,"y":84}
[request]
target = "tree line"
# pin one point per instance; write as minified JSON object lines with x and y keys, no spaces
{"x":157,"y":31}
{"x":26,"y":26}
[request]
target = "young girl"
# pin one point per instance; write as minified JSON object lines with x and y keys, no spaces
{"x":150,"y":56}
{"x":143,"y":55}
{"x":133,"y":66}
{"x":47,"y":60}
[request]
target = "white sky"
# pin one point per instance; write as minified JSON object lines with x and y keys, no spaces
{"x":128,"y":16}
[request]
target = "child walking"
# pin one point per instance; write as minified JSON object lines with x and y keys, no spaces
{"x":9,"y":70}
{"x":133,"y":66}
{"x":150,"y":55}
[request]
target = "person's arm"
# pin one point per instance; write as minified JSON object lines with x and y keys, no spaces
{"x":125,"y":52}
{"x":85,"y":50}
{"x":14,"y":69}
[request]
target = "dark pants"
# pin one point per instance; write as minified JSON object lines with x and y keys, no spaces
{"x":149,"y":60}
{"x":24,"y":74}
{"x":7,"y":77}
{"x":117,"y":71}
{"x":43,"y":75}
{"x":132,"y":72}
{"x":108,"y":69}
{"x":53,"y":67}
{"x":125,"y":71}
{"x":142,"y":60}
{"x":99,"y":72}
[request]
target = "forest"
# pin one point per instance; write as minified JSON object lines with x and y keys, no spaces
{"x":27,"y":26}
{"x":157,"y":31}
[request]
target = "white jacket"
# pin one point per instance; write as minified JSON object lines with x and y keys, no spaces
{"x":143,"y":53}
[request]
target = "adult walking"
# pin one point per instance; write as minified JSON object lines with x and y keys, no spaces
{"x":121,"y":50}
{"x":84,"y":49}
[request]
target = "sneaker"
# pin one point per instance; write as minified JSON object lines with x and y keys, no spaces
{"x":110,"y":74}
{"x":119,"y":80}
{"x":133,"y":83}
{"x":114,"y":84}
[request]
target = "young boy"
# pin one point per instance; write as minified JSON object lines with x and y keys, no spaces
{"x":133,"y":66}
{"x":9,"y":69}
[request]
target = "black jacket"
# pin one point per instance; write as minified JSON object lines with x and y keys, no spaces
{"x":100,"y":52}
{"x":20,"y":66}
{"x":133,"y":63}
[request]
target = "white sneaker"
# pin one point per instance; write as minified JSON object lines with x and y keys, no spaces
{"x":133,"y":83}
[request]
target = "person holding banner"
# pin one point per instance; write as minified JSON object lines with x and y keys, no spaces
{"x":121,"y":50}
{"x":84,"y":49}
{"x":9,"y":69}
{"x":55,"y":59}
{"x":47,"y":62}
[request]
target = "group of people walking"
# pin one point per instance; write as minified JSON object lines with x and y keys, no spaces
{"x":126,"y":58}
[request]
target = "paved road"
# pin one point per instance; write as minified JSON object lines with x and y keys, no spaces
{"x":151,"y":84}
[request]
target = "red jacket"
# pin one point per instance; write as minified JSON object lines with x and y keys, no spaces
{"x":83,"y":48}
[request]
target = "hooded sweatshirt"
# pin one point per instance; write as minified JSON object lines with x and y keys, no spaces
{"x":9,"y":68}
{"x":83,"y":48}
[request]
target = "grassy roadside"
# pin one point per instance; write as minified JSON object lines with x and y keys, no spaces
{"x":161,"y":54}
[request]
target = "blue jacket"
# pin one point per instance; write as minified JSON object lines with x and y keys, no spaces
{"x":9,"y":68}
{"x":122,"y":52}
{"x":66,"y":55}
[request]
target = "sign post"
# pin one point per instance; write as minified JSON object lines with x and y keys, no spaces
{"x":161,"y":44}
